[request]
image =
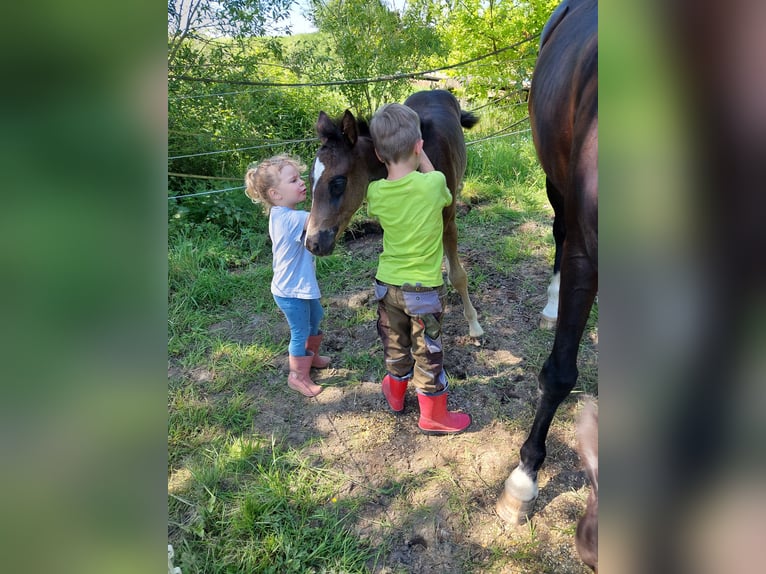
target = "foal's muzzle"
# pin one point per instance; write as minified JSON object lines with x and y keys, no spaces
{"x":322,"y":243}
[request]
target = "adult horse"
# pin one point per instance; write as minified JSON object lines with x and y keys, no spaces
{"x":563,"y":111}
{"x":346,"y":163}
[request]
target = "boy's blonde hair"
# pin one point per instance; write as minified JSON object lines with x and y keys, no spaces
{"x":395,"y":129}
{"x":262,"y":177}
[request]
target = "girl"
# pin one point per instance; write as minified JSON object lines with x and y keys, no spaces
{"x":276,"y":183}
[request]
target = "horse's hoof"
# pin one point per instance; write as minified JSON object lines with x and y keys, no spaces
{"x":512,"y":510}
{"x":476,"y":331}
{"x":548,"y":323}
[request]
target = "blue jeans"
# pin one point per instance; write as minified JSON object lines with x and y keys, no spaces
{"x":303,"y":316}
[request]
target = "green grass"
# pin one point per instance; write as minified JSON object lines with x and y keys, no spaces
{"x":253,"y":506}
{"x":527,"y":241}
{"x":246,"y":505}
{"x":339,"y":272}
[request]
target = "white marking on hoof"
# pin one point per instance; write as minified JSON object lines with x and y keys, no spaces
{"x":518,"y":498}
{"x":520,"y":486}
{"x":551,"y":311}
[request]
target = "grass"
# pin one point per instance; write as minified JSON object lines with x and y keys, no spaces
{"x":240,"y":501}
{"x":246,"y":504}
{"x":338,"y":272}
{"x":254,"y":506}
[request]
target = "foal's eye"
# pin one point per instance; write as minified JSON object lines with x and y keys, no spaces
{"x":337,"y":186}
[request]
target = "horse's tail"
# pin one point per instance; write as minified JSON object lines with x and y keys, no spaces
{"x":468,"y":120}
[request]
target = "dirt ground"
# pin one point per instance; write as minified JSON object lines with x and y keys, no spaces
{"x":432,"y":498}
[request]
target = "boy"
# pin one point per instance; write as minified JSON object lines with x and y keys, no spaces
{"x":408,"y":284}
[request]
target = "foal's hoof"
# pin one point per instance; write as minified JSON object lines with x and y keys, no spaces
{"x":547,"y":323}
{"x":512,"y":510}
{"x":475,"y":330}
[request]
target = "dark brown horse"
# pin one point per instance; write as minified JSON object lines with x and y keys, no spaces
{"x":563,"y":110}
{"x":346,"y":163}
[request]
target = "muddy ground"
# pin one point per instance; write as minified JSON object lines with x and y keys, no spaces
{"x":432,"y":498}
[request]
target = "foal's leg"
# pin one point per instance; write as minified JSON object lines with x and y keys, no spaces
{"x":458,"y":278}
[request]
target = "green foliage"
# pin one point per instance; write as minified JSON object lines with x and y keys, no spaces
{"x":475,"y":28}
{"x":263,"y":508}
{"x":201,"y":19}
{"x":230,"y":211}
{"x":220,"y":136}
{"x":367,"y":39}
{"x":215,"y":129}
{"x":505,"y":170}
{"x":506,"y":159}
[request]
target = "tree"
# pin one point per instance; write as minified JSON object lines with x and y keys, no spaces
{"x":205,"y":19}
{"x":478,"y":27}
{"x":369,"y":40}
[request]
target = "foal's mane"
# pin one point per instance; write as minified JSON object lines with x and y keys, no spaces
{"x":336,"y":132}
{"x":363,"y":127}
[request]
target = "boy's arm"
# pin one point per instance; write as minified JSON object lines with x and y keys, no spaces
{"x":425,"y":163}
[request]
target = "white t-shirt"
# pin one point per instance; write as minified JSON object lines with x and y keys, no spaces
{"x":294,"y":266}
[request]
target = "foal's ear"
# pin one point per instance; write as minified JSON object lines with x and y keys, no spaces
{"x":326,"y":129}
{"x":349,"y":127}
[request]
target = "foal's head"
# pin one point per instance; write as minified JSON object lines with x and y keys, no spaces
{"x":344,"y":164}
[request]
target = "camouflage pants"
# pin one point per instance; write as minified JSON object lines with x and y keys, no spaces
{"x":409,"y":325}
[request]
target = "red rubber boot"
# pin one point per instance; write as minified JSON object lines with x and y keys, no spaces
{"x":299,"y":379}
{"x":312,"y":344}
{"x":394,"y":390}
{"x":435,"y":419}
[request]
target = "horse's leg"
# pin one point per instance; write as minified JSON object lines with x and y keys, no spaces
{"x":551,"y":311}
{"x":459,"y":279}
{"x":557,"y":378}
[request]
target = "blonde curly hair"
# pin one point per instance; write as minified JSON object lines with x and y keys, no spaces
{"x":263,"y":176}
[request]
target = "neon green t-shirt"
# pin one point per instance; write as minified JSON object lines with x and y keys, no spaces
{"x":410,"y":212}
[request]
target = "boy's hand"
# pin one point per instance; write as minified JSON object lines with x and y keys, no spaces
{"x":425,"y":163}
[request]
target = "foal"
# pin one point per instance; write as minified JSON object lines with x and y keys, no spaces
{"x":346,"y":163}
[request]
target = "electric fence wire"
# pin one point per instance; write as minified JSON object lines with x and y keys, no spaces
{"x":185,"y":195}
{"x":200,"y":96}
{"x":267,"y":88}
{"x":490,"y":137}
{"x":495,"y":135}
{"x":385,"y":78}
{"x":273,"y":144}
